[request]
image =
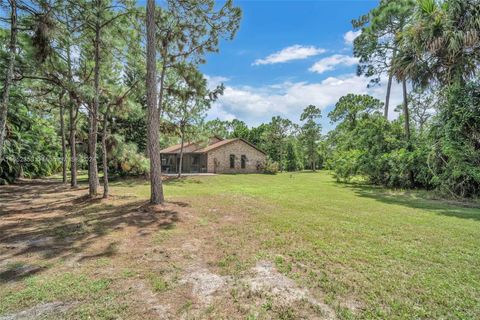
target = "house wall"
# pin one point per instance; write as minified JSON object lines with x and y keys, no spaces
{"x":238,"y":148}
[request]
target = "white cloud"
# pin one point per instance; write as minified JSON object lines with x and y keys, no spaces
{"x":295,"y":52}
{"x":288,"y":99}
{"x":349,"y":36}
{"x":329,"y":63}
{"x":214,"y":81}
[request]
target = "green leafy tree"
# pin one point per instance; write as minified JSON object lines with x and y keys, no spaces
{"x":351,"y":107}
{"x":293,"y":156}
{"x":275,"y":137}
{"x":188,"y":99}
{"x":311,"y":133}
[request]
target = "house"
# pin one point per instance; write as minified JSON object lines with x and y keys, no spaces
{"x":217,"y":156}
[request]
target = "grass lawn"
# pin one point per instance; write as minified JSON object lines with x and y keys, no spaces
{"x":240,"y":246}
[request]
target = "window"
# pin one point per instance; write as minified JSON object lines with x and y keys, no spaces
{"x":232,"y":161}
{"x":244,"y":161}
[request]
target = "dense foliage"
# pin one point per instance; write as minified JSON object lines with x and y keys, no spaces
{"x":89,"y":87}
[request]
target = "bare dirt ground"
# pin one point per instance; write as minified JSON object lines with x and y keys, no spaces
{"x":193,"y":258}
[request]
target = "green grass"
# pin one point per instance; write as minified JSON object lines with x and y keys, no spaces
{"x":392,"y":254}
{"x":396,"y":253}
{"x":63,"y":287}
{"x":158,"y":283}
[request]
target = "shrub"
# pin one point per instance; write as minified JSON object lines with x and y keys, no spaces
{"x":271,"y":167}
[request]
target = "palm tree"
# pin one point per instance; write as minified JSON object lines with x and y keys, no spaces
{"x":441,"y":42}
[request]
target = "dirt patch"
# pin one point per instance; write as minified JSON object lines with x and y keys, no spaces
{"x":40,"y":310}
{"x":268,"y":280}
{"x":205,"y":284}
{"x":149,"y":301}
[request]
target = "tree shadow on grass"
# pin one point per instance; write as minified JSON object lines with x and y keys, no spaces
{"x":18,"y":271}
{"x":70,"y":224}
{"x":417,"y":200}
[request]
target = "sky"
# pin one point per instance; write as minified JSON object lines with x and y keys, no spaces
{"x":286,"y":56}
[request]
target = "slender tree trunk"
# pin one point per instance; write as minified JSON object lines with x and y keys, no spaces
{"x":64,"y":144}
{"x":104,"y":155}
{"x":73,"y":143}
{"x":153,"y":120}
{"x":387,"y":98}
{"x":9,"y":74}
{"x":389,"y":88}
{"x":21,"y":173}
{"x":180,"y":167}
{"x":93,"y":125}
{"x":73,"y":113}
{"x":406,"y":114}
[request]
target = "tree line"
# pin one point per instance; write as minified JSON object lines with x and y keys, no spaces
{"x":110,"y":83}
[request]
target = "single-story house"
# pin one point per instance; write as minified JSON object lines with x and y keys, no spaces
{"x":217,"y":156}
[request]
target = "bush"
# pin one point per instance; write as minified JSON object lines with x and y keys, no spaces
{"x":271,"y":167}
{"x":126,"y":159}
{"x":455,"y":159}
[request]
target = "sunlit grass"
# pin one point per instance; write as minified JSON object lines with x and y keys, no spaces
{"x":396,"y":253}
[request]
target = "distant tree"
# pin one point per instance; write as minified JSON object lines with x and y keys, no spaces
{"x":311,"y":133}
{"x":217,"y":127}
{"x":293,"y":157}
{"x":188,"y":99}
{"x":256,"y":135}
{"x":239,"y":129}
{"x":422,"y":106}
{"x":275,"y":137}
{"x":351,"y":107}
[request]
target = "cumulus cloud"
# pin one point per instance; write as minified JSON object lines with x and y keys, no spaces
{"x":214,"y":81}
{"x":330,"y":63}
{"x":349,"y":36}
{"x":288,"y":99}
{"x":295,"y":52}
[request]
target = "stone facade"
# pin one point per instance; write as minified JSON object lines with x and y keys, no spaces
{"x":218,"y":160}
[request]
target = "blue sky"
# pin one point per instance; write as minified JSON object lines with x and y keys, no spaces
{"x":286,"y":55}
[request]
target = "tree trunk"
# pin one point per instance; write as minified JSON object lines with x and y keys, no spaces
{"x":9,"y":74}
{"x":389,"y":88}
{"x":180,"y":167}
{"x":313,"y":166}
{"x":73,"y":113}
{"x":64,"y":144}
{"x":406,"y":114}
{"x":153,"y":120}
{"x":73,"y":143}
{"x":387,"y":98}
{"x":104,"y":155}
{"x":21,"y":173}
{"x":93,"y":125}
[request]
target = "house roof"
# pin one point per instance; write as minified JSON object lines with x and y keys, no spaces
{"x":213,"y":146}
{"x":175,"y":148}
